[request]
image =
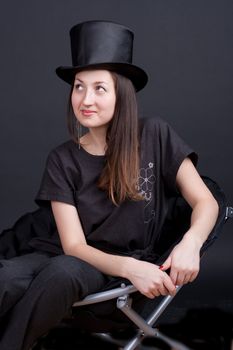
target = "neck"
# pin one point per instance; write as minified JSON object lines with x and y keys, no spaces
{"x":94,"y":141}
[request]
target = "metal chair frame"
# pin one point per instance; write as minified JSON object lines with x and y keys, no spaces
{"x":145,"y":326}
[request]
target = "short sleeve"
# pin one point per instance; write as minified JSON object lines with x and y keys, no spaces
{"x":56,"y":184}
{"x":173,"y":151}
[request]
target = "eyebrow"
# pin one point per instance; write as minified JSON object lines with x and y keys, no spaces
{"x":96,"y":82}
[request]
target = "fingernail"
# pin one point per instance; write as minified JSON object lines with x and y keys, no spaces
{"x":160,"y":267}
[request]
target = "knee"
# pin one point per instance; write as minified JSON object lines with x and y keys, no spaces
{"x":73,"y":274}
{"x":64,"y":273}
{"x":66,"y":266}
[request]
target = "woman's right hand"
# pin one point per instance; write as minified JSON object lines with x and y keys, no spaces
{"x":149,"y":279}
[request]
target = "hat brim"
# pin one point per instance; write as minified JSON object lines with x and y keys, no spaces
{"x":137,"y":75}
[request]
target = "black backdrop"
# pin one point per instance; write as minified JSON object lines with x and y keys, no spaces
{"x":185,"y":46}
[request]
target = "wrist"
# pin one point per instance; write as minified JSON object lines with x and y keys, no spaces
{"x":127,"y":267}
{"x":194,"y":237}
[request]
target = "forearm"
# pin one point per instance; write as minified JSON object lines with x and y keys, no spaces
{"x":203,"y":219}
{"x":109,"y":264}
{"x":146,"y":277}
{"x":184,"y":260}
{"x":204,"y":206}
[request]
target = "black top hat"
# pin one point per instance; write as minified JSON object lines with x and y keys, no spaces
{"x":102,"y":45}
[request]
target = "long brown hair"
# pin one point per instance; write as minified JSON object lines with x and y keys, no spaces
{"x":120,"y":174}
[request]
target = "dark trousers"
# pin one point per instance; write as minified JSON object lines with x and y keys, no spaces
{"x":37,"y":291}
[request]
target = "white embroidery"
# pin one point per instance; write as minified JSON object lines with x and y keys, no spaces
{"x":146,"y":182}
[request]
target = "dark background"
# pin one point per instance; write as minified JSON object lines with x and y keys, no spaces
{"x":187,"y":49}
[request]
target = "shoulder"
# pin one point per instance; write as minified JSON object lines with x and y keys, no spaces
{"x":63,"y":152}
{"x":152,"y":121}
{"x":64,"y":148}
{"x":154,"y":125}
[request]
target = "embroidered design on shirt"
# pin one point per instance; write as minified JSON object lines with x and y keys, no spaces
{"x":146,"y":182}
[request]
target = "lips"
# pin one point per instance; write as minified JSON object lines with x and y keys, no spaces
{"x":87,"y":112}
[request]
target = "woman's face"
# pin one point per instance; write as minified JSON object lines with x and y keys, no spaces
{"x":93,"y":98}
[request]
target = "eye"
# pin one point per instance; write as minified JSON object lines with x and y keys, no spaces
{"x":100,"y":88}
{"x":78,"y":87}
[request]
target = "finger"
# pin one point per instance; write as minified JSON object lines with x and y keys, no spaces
{"x":190,"y":277}
{"x":193,"y":276}
{"x":182,"y":278}
{"x":160,"y":290}
{"x":149,"y":295}
{"x":174,"y":276}
{"x":179,"y":279}
{"x":163,"y":291}
{"x":186,"y":279}
{"x":151,"y":292}
{"x":156,"y":294}
{"x":170,"y":286}
{"x":166,"y":265}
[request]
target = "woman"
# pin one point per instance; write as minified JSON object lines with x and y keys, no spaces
{"x":108,"y":190}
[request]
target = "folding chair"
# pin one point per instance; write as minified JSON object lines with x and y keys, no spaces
{"x":86,"y":313}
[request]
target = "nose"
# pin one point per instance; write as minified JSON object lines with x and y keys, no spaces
{"x":88,"y":98}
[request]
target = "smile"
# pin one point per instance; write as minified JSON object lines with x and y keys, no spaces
{"x":87,"y":112}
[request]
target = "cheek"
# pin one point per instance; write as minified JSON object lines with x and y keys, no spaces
{"x":75,"y":101}
{"x":113,"y":105}
{"x":72,"y":100}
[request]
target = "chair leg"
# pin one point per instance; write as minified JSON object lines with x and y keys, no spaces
{"x":133,"y":343}
{"x":174,"y":344}
{"x":145,"y":327}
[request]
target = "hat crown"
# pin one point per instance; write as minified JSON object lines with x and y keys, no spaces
{"x":95,"y":42}
{"x":102,"y":45}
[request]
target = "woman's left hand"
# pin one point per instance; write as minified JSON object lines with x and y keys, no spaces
{"x":184,"y":261}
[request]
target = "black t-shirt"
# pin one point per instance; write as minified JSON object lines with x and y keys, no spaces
{"x":71,"y":176}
